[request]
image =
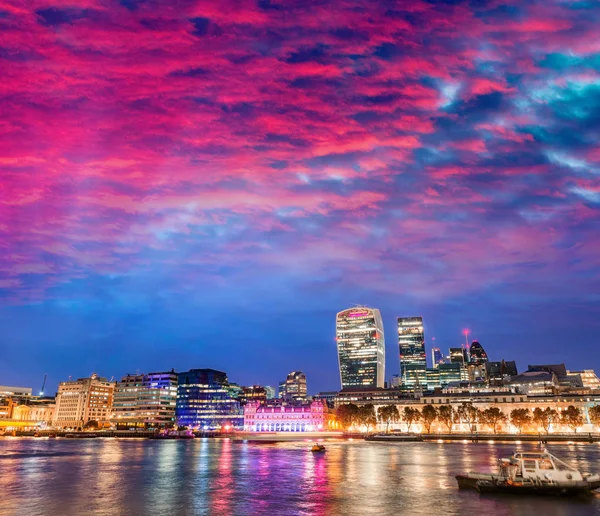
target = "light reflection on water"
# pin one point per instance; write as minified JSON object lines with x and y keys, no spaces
{"x":202,"y":476}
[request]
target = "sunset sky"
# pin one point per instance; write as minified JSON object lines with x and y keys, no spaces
{"x":206,"y":183}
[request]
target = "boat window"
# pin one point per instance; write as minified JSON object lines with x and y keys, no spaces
{"x":545,"y":464}
{"x":529,"y":464}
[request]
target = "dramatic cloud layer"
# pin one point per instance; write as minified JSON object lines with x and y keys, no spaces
{"x":167,"y":167}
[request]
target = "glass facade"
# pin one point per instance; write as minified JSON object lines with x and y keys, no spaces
{"x":361,"y":347}
{"x":450,"y":373}
{"x":145,"y":401}
{"x":204,"y":401}
{"x":411,"y":341}
{"x":436,"y":357}
{"x":477,"y":354}
{"x":294,"y":387}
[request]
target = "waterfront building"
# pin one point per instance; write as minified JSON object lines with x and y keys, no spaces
{"x":477,"y":354}
{"x":83,"y":400}
{"x":437,"y":357}
{"x":270,"y":392}
{"x":36,"y":410}
{"x":535,"y":383}
{"x":204,"y":401}
{"x":372,"y":395}
{"x":299,"y":416}
{"x":411,"y":342}
{"x":361,"y":347}
{"x":294,"y":387}
{"x":145,"y":401}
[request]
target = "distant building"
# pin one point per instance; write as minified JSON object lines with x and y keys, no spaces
{"x":361,"y":347}
{"x":437,"y":357}
{"x":588,"y":378}
{"x":294,"y":386}
{"x":450,"y":373}
{"x":83,"y":400}
{"x":145,"y":401}
{"x":253,"y":393}
{"x":458,"y":356}
{"x":396,"y":381}
{"x":477,"y":354}
{"x":204,"y":401}
{"x":498,"y":373}
{"x":7,"y":390}
{"x":411,"y":342}
{"x":535,"y":383}
{"x":270,"y":392}
{"x":328,"y":396}
{"x":280,"y":417}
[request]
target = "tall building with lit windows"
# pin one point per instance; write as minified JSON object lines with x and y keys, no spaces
{"x":83,"y":400}
{"x":204,"y":401}
{"x":411,"y":341}
{"x":361,"y":347}
{"x":145,"y":400}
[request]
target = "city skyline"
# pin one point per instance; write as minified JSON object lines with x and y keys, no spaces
{"x":395,"y":364}
{"x":202,"y":184}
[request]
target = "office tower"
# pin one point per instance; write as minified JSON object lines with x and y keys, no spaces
{"x":436,"y":357}
{"x":204,"y":401}
{"x":411,"y":341}
{"x":294,"y":386}
{"x":145,"y":401}
{"x":477,"y":354}
{"x":83,"y":400}
{"x":361,"y":347}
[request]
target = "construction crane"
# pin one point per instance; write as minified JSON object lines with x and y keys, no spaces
{"x":43,"y":385}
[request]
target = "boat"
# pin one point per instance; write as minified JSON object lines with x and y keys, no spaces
{"x":318,"y":448}
{"x":531,"y":473}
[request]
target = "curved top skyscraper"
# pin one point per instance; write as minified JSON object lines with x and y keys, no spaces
{"x":361,"y":347}
{"x":477,"y":354}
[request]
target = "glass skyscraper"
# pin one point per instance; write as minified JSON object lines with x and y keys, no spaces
{"x":411,"y":341}
{"x":204,"y":401}
{"x":361,"y":347}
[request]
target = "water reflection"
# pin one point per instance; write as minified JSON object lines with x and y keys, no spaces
{"x":204,"y":476}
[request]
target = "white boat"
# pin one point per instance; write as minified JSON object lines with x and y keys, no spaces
{"x":531,"y":473}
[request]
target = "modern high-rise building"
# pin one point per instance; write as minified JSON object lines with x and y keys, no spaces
{"x":270,"y":392}
{"x":294,"y":386}
{"x":411,"y":341}
{"x":204,"y":401}
{"x":83,"y":400}
{"x":145,"y":401}
{"x":436,"y":357}
{"x":477,"y":354}
{"x":361,"y":347}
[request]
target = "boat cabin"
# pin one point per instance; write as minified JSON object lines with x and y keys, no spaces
{"x":538,"y":465}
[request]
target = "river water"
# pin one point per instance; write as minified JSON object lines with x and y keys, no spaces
{"x":65,"y":477}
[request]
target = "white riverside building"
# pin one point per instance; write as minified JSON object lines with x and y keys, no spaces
{"x":361,"y":347}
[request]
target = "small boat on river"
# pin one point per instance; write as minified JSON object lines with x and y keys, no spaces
{"x":531,"y":473}
{"x":318,"y":448}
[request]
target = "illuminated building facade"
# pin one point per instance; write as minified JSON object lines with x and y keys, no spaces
{"x":294,"y":386}
{"x":270,"y":392}
{"x":83,"y":400}
{"x":253,"y":393}
{"x":411,"y":342}
{"x":282,"y":417}
{"x":588,"y":377}
{"x":204,"y":401}
{"x":477,"y":354}
{"x":436,"y":357}
{"x":361,"y":347}
{"x":145,"y":401}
